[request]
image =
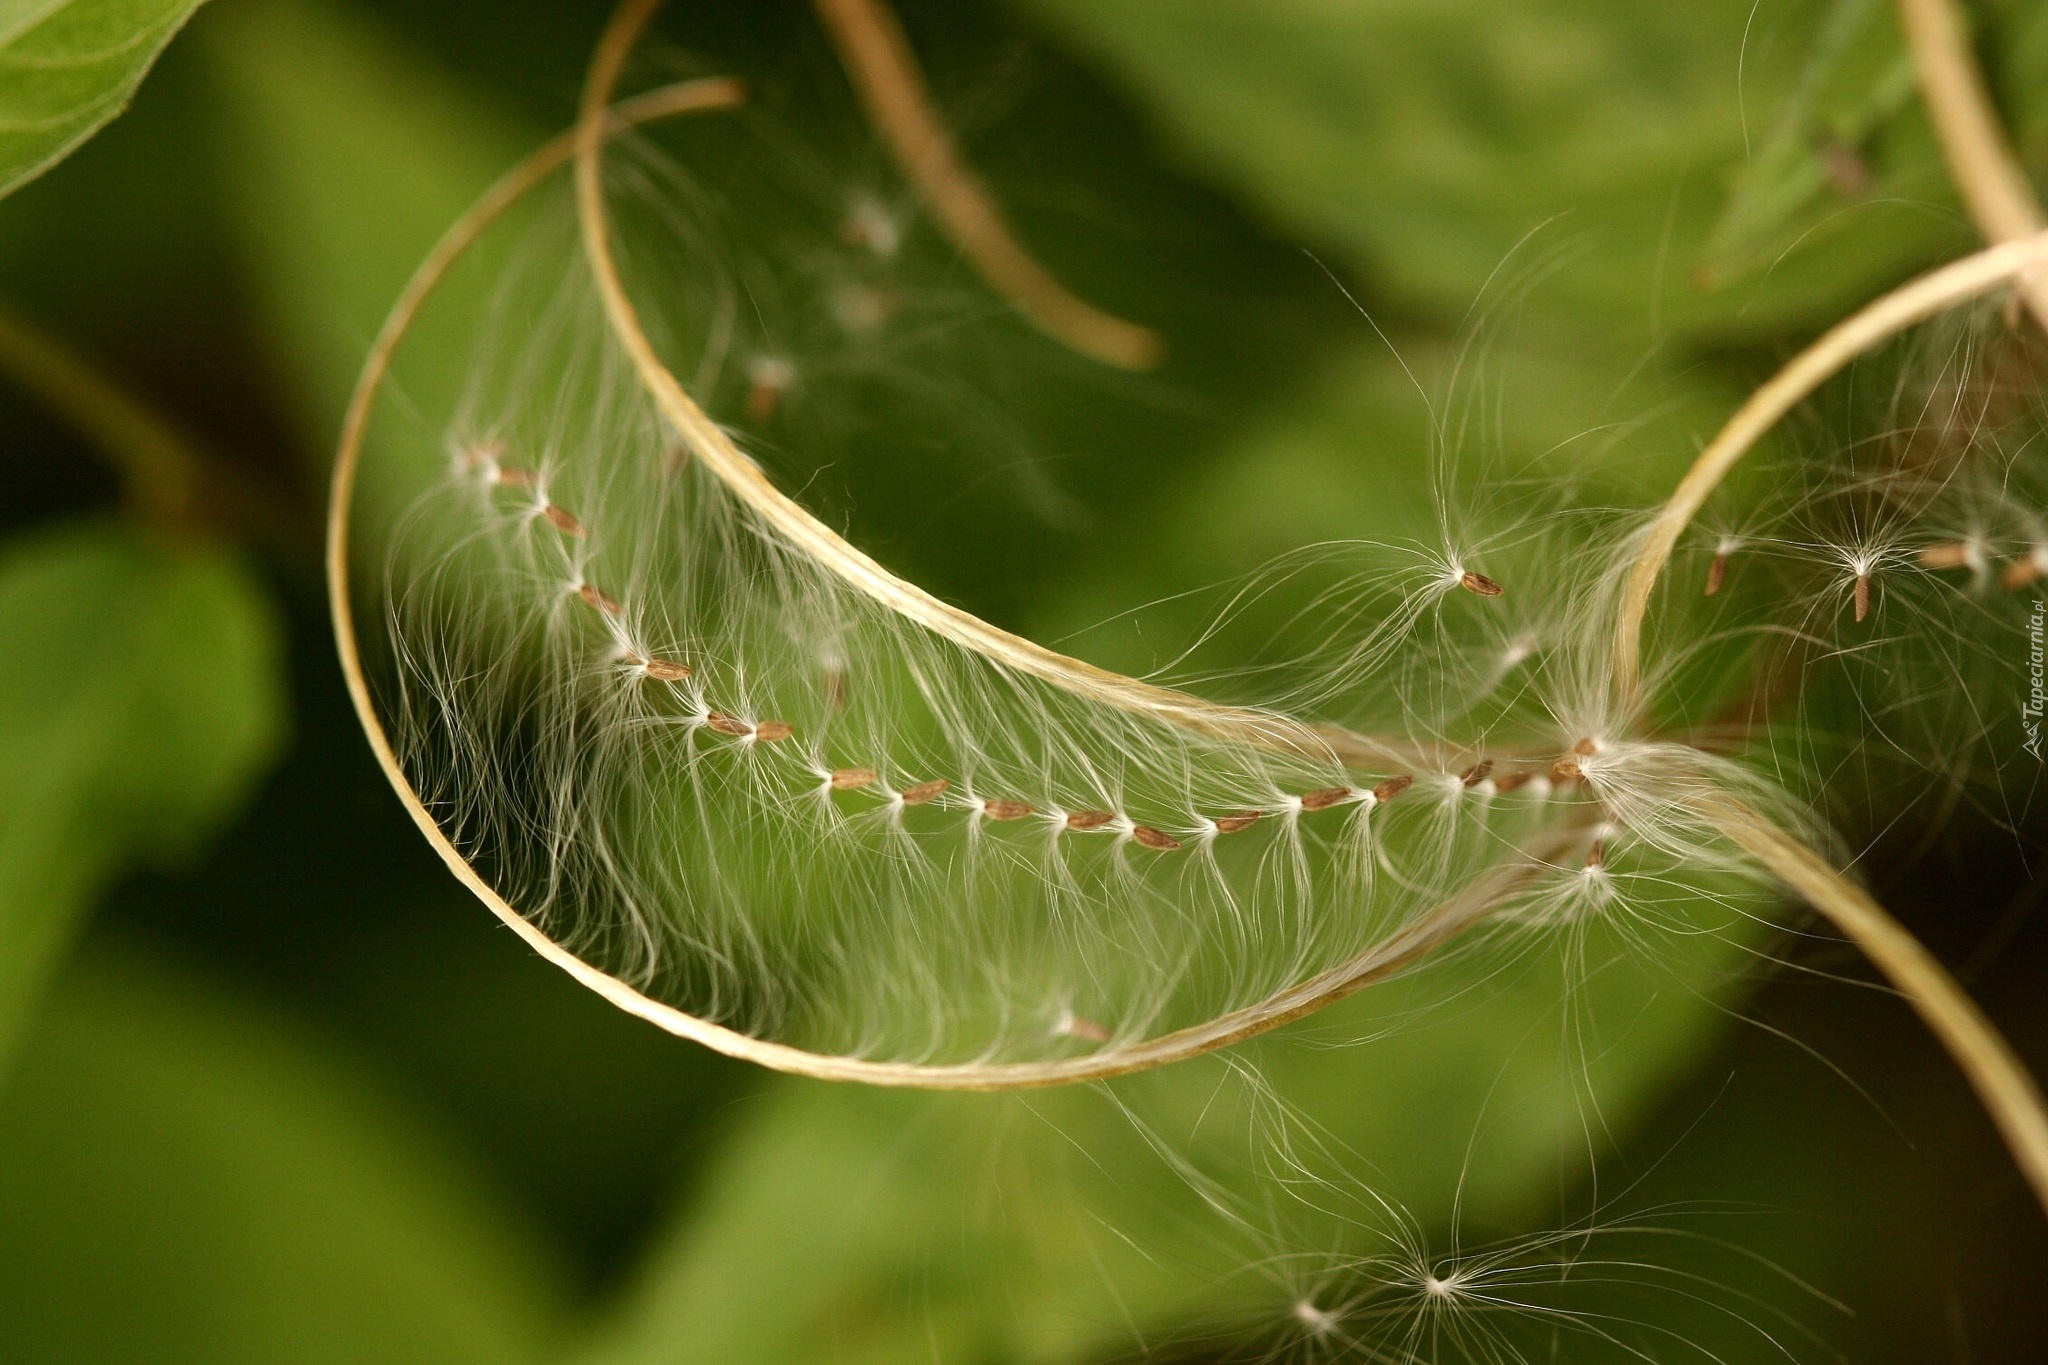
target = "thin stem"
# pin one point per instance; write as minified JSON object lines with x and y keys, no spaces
{"x":2001,"y":1081}
{"x":708,"y":441}
{"x":885,"y":75}
{"x":1867,"y":327}
{"x":1980,"y":158}
{"x":160,"y":470}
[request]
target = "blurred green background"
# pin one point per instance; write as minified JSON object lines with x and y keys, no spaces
{"x":276,"y":1089}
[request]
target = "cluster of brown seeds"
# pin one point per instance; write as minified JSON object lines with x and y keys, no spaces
{"x":2020,"y":572}
{"x":1568,"y":768}
{"x":486,"y":459}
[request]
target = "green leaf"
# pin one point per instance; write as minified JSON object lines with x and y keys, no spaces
{"x":139,"y":699}
{"x":67,"y":67}
{"x":348,"y":156}
{"x":1847,"y":158}
{"x":182,"y":1179}
{"x":1435,"y":143}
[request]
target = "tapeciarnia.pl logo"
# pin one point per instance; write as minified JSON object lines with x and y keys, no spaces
{"x":2030,"y":710}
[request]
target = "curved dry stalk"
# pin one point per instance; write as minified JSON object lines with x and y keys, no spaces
{"x":1876,"y":322}
{"x":1423,"y":935}
{"x":2002,"y":1083}
{"x":885,"y":75}
{"x":1979,"y":156}
{"x":708,"y":442}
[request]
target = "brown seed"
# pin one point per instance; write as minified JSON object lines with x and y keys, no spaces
{"x":852,"y":779}
{"x":483,"y":453}
{"x":1953,"y":554}
{"x":1074,"y":1026}
{"x":1005,"y":810}
{"x":925,"y":791}
{"x":1477,"y":773}
{"x":600,"y":599}
{"x":870,"y":225}
{"x":1717,"y":573}
{"x":1479,"y":583}
{"x":563,"y":520}
{"x":1596,"y":856}
{"x":1089,"y":819}
{"x":1392,"y":787}
{"x":1322,"y":798}
{"x":1847,"y":171}
{"x":771,"y":731}
{"x":2021,"y":572}
{"x":512,"y":476}
{"x":767,"y":377}
{"x":835,"y":688}
{"x":1862,"y":596}
{"x":1232,"y":824}
{"x":1586,"y":747}
{"x":727,"y":725}
{"x":862,"y":308}
{"x":1153,"y":839}
{"x":1567,"y":770}
{"x":1508,"y":782}
{"x":666,"y":670}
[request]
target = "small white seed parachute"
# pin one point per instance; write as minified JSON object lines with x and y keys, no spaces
{"x":734,"y":774}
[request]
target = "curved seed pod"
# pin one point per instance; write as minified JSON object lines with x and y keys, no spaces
{"x":686,"y":841}
{"x":601,"y":684}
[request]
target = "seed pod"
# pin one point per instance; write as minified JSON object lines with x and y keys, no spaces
{"x":925,"y":791}
{"x":1392,"y":787}
{"x":771,"y":731}
{"x":1477,"y":773}
{"x":1153,"y":839}
{"x":1322,"y":798}
{"x":851,"y":779}
{"x":1089,"y":819}
{"x":666,"y":670}
{"x":599,"y":599}
{"x":727,"y":725}
{"x":1005,"y":810}
{"x":1232,"y":824}
{"x":1862,"y":595}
